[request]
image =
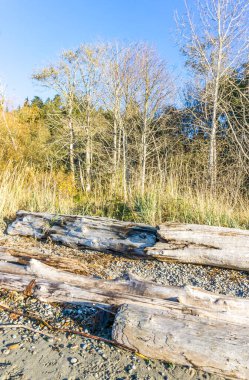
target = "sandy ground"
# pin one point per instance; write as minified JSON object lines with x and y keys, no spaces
{"x":41,"y":359}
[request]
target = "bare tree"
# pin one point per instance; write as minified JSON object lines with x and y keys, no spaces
{"x":155,"y":90}
{"x":119,"y":83}
{"x":63,"y":79}
{"x":215,"y":43}
{"x":89,"y":59}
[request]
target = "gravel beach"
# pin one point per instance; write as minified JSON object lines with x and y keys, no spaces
{"x":26,"y":354}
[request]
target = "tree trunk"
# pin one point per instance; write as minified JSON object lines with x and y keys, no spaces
{"x":213,"y":148}
{"x":124,"y":165}
{"x":88,"y":154}
{"x":71,"y":148}
{"x":144,"y":157}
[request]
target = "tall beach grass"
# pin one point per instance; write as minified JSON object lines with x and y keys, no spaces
{"x":25,"y":187}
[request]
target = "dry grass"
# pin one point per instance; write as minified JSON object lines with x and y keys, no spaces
{"x":24,"y":187}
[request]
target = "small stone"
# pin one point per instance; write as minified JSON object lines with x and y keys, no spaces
{"x":6,"y":352}
{"x":14,"y":336}
{"x":13,"y":346}
{"x":73,"y":360}
{"x":74,"y":346}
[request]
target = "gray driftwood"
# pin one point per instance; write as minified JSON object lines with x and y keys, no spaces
{"x":183,"y":243}
{"x":95,"y":233}
{"x":205,"y":245}
{"x":187,"y":325}
{"x":54,"y":285}
{"x":186,"y":338}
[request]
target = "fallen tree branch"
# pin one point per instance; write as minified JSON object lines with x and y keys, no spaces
{"x":182,"y":325}
{"x":58,"y":286}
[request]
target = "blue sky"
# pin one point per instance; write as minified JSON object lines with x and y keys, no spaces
{"x":34,"y":32}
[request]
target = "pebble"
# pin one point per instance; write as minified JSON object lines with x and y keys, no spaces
{"x":74,"y":346}
{"x":73,"y":360}
{"x":13,"y":346}
{"x":6,"y":352}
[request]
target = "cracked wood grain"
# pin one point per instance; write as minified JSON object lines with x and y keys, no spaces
{"x":186,"y":339}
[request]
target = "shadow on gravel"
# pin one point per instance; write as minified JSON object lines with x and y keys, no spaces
{"x":94,"y":320}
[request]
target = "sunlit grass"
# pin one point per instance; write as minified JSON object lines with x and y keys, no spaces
{"x":24,"y":187}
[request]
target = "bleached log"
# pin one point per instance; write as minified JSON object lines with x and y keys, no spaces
{"x":78,"y":289}
{"x":185,"y":243}
{"x":205,"y":245}
{"x":185,"y":338}
{"x":118,"y":292}
{"x":101,"y":234}
{"x":23,"y":256}
{"x":55,"y":291}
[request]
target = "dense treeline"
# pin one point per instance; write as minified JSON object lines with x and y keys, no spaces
{"x":115,"y":132}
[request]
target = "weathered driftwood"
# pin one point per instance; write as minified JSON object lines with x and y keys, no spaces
{"x":23,"y":256}
{"x":187,"y":325}
{"x":53,"y":285}
{"x":102,"y":234}
{"x":205,"y":245}
{"x":60,"y":286}
{"x":185,"y":338}
{"x":184,"y":243}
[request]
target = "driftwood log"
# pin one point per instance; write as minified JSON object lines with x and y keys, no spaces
{"x":182,"y":325}
{"x":15,"y":274}
{"x":95,"y":233}
{"x":185,"y":338}
{"x":205,"y":245}
{"x":183,"y":243}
